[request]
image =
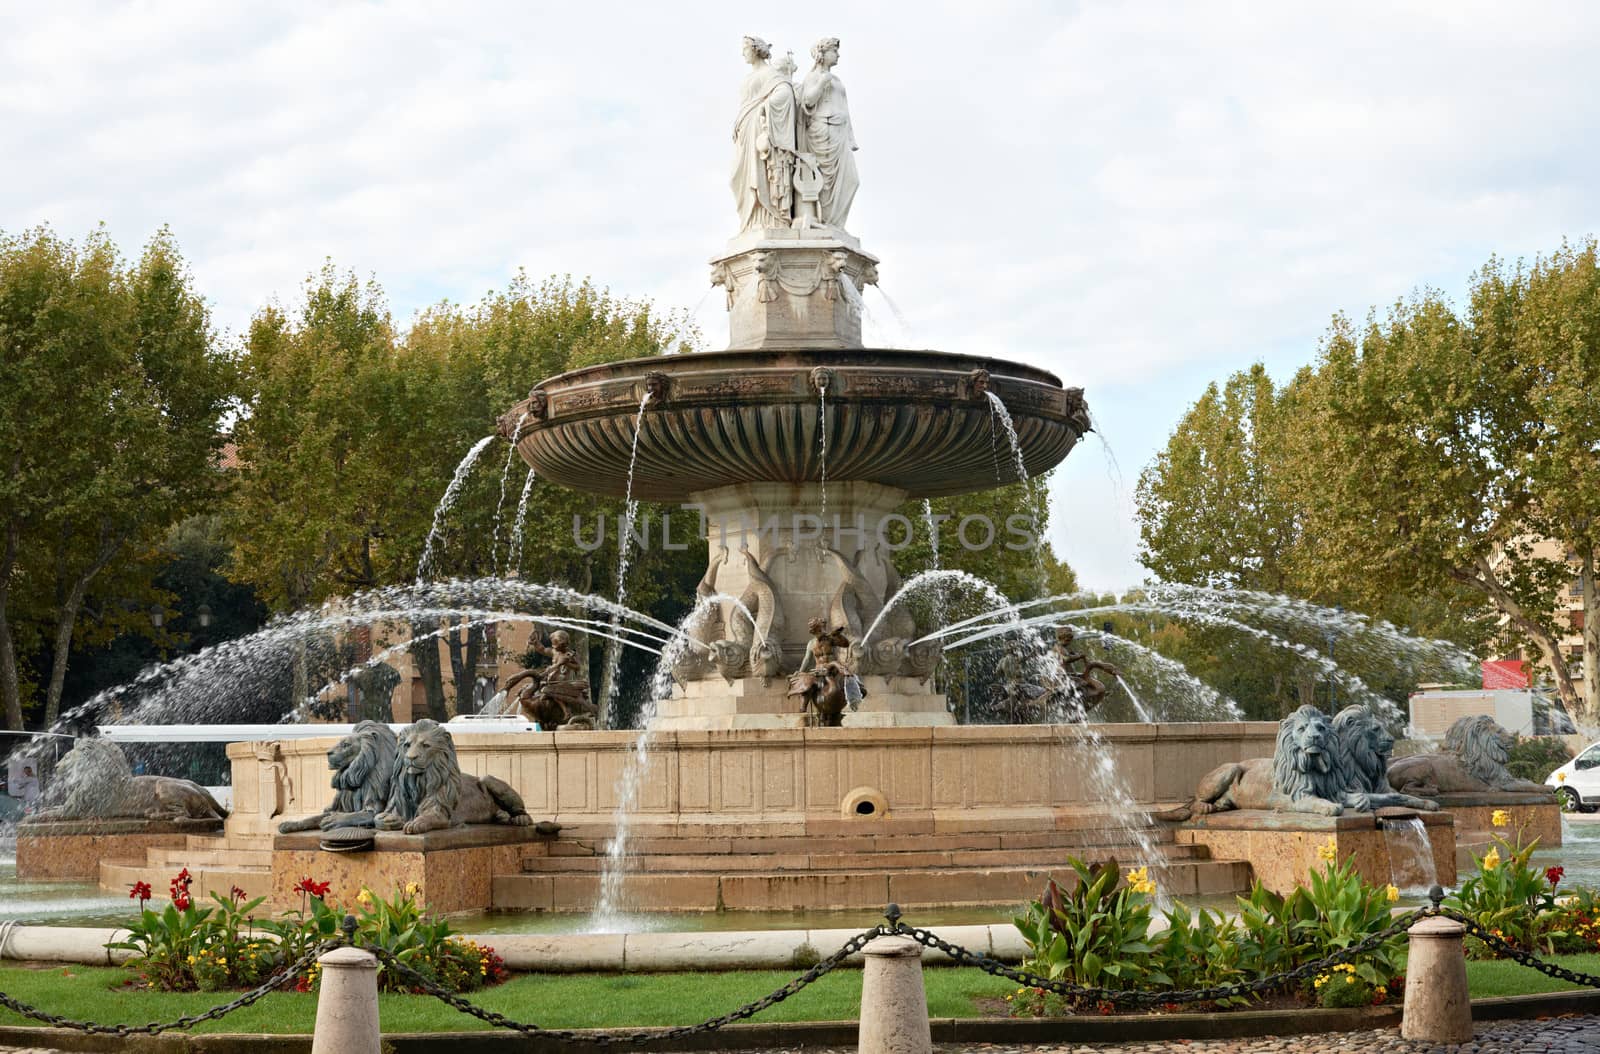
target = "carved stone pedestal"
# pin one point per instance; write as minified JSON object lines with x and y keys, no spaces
{"x":794,"y":288}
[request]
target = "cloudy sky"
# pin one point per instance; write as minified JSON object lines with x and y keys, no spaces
{"x":1142,"y":197}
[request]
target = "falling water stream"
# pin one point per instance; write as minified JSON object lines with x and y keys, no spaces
{"x":1410,"y":854}
{"x":450,"y":494}
{"x":514,"y":546}
{"x":630,"y":511}
{"x":499,"y":507}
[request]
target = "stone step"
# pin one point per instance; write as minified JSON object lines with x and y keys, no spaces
{"x":255,"y":881}
{"x":212,"y":858}
{"x":568,"y":844}
{"x":810,"y":890}
{"x":834,"y":861}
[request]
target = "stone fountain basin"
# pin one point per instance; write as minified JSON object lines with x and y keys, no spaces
{"x":915,"y":420}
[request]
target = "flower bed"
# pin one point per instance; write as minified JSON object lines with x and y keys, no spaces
{"x":192,"y":947}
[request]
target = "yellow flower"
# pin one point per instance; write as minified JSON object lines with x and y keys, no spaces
{"x":1328,"y":850}
{"x":411,"y":889}
{"x":1500,"y":818}
{"x":364,"y":898}
{"x":1561,"y":777}
{"x":1392,"y":892}
{"x":1139,"y":880}
{"x":1491,"y":859}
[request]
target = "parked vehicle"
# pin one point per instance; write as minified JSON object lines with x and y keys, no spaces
{"x":1577,"y":783}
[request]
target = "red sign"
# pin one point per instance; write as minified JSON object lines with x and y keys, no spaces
{"x":1505,"y":673}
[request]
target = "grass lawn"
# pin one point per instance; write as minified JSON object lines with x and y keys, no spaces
{"x":584,"y":1000}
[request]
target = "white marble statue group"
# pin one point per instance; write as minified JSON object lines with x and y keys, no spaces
{"x":794,"y":163}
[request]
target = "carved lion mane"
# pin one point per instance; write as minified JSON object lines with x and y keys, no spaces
{"x":363,"y":766}
{"x":1474,"y":759}
{"x":1361,"y":763}
{"x":1299,"y":777}
{"x":98,"y":784}
{"x":430,"y":791}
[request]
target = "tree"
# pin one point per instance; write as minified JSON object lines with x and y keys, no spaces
{"x":112,"y":397}
{"x":1440,"y":446}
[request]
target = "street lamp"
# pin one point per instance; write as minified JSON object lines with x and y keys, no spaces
{"x":203,"y":612}
{"x":158,"y":615}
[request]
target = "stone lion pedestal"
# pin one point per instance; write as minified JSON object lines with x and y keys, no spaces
{"x":72,"y":850}
{"x":452,"y":869}
{"x":1282,"y":847}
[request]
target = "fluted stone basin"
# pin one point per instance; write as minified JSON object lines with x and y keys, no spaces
{"x":917,"y":421}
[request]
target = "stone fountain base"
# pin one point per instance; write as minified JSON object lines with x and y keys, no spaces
{"x":755,"y":703}
{"x":72,"y":850}
{"x":1283,"y":847}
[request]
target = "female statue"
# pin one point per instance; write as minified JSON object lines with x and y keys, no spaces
{"x":829,"y":139}
{"x":765,"y":138}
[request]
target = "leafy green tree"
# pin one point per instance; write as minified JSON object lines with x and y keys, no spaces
{"x":112,"y":397}
{"x":1449,"y":444}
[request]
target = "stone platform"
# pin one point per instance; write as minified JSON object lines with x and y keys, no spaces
{"x":752,"y":819}
{"x":72,"y":850}
{"x":1282,"y":847}
{"x":1532,"y":816}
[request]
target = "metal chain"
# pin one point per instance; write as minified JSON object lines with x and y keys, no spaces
{"x":1511,"y":951}
{"x":186,"y":1021}
{"x":426,"y":985}
{"x":1123,"y":997}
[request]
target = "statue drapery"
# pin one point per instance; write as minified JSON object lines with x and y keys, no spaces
{"x":765,"y":138}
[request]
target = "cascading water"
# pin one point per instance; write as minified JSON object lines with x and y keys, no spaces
{"x":822,"y":443}
{"x":450,"y":494}
{"x":998,"y":412}
{"x":514,"y":546}
{"x":608,"y":917}
{"x":1411,"y":866}
{"x":499,"y":507}
{"x":630,"y":511}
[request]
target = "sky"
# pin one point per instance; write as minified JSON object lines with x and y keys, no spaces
{"x":1140,"y":197}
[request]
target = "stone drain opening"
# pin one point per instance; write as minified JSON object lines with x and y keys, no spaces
{"x":864,"y":803}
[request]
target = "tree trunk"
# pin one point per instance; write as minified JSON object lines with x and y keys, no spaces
{"x":425,"y":653}
{"x":10,"y":685}
{"x":466,"y":649}
{"x":66,"y":621}
{"x":1591,"y":642}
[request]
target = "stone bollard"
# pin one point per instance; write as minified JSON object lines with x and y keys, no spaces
{"x":347,"y":1005}
{"x":894,"y":1005}
{"x":1438,"y":1008}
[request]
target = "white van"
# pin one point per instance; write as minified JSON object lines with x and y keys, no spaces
{"x":1577,"y":783}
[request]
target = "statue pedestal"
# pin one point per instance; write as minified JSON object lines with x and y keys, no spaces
{"x":71,"y":850}
{"x":1533,"y":815}
{"x":1281,"y":847}
{"x":453,"y":869}
{"x":794,"y":288}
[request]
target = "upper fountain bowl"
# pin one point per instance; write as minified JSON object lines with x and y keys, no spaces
{"x":920,"y":421}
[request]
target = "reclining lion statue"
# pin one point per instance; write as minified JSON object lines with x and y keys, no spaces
{"x":1361,"y":763}
{"x":1474,"y":759}
{"x":98,"y":784}
{"x":1299,"y":777}
{"x":431,"y":793}
{"x":363,"y":766}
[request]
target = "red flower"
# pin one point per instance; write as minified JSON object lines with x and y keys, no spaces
{"x":236,"y":894}
{"x":1553,"y":875}
{"x":183,"y":879}
{"x":316,"y":889}
{"x":139,"y":891}
{"x":180,"y":901}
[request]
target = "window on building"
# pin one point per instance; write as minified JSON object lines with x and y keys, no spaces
{"x":1575,"y":589}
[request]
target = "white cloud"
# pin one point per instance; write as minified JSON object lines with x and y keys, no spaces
{"x":1137,"y":196}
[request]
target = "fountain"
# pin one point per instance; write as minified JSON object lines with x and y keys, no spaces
{"x":799,"y":447}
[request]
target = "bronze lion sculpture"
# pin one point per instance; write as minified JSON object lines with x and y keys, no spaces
{"x":1476,"y":751}
{"x":98,"y":784}
{"x":1361,"y":763}
{"x":430,"y":791}
{"x":1299,"y":777}
{"x":363,"y":766}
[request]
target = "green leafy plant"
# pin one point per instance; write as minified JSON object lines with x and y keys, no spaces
{"x":1535,"y":757}
{"x":166,"y":944}
{"x":1508,"y":896}
{"x":1095,"y":935}
{"x":1202,"y":950}
{"x":1273,"y":929}
{"x":1345,"y":911}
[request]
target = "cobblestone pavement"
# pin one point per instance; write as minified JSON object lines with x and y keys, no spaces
{"x":1574,"y":1034}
